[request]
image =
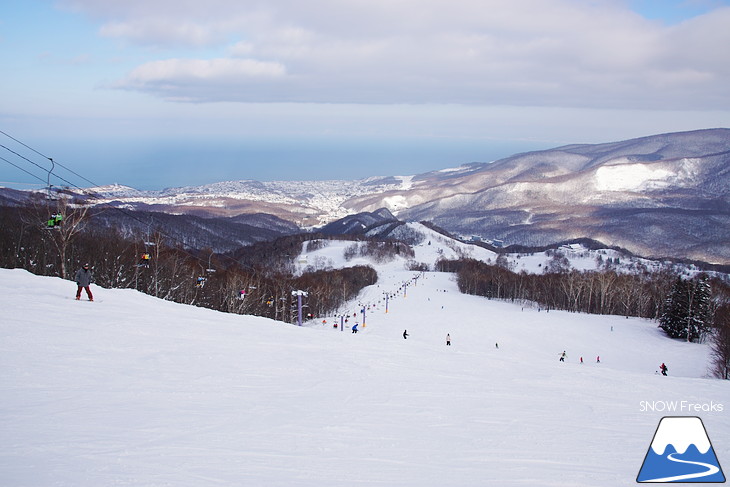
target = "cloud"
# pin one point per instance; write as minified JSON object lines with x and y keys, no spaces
{"x":161,"y":32}
{"x":199,"y":79}
{"x":530,"y":52}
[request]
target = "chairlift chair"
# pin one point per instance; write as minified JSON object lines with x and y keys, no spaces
{"x":54,"y":221}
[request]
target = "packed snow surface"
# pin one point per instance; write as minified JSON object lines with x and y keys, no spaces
{"x":130,"y":390}
{"x":632,"y":177}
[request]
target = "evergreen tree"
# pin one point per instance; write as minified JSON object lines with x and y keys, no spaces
{"x":687,"y":310}
{"x":673,"y":320}
{"x":700,"y":313}
{"x":721,"y":343}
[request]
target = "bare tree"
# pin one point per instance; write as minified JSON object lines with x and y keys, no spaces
{"x":605,"y":281}
{"x":72,"y":220}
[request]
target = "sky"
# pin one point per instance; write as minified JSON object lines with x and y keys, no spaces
{"x":161,"y":93}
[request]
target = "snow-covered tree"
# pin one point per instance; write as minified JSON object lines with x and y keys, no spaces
{"x":687,"y":310}
{"x":721,"y":343}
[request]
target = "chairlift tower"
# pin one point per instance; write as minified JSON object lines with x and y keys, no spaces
{"x":299,"y":294}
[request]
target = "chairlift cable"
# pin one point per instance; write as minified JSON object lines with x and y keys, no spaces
{"x":41,"y":167}
{"x":94,"y":196}
{"x":45,"y":156}
{"x":24,"y":170}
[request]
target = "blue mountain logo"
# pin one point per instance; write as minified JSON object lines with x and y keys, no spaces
{"x":681,"y":452}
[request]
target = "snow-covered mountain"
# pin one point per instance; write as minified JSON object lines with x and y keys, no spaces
{"x":305,"y":203}
{"x":132,"y":390}
{"x":657,"y":196}
{"x":430,"y":246}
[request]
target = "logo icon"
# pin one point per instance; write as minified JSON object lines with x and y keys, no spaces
{"x":681,"y":452}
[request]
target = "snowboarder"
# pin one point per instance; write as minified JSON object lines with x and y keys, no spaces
{"x":664,"y":369}
{"x":83,"y":281}
{"x":354,"y":328}
{"x":448,"y":340}
{"x":405,"y":334}
{"x":562,"y":356}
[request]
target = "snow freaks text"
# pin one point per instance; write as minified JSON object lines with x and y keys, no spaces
{"x":680,"y":407}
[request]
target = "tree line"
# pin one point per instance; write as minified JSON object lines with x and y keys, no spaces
{"x":693,"y":309}
{"x":256,"y":280}
{"x":259,"y":279}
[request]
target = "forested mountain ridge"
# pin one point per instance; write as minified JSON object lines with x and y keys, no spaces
{"x":663,"y":195}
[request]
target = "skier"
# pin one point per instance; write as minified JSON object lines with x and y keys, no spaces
{"x":598,"y":359}
{"x":663,"y":368}
{"x":562,"y":356}
{"x":496,"y":345}
{"x":83,"y":281}
{"x":405,"y":334}
{"x":581,"y":360}
{"x":354,"y":328}
{"x":448,"y":340}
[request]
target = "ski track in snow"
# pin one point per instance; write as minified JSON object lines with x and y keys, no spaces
{"x":136,"y":391}
{"x":711,"y":470}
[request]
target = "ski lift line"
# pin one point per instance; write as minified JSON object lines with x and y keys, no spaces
{"x":85,"y":192}
{"x":96,"y":197}
{"x":90,"y":195}
{"x":22,"y":143}
{"x":45,"y":156}
{"x":50,"y":171}
{"x":25,"y":171}
{"x":43,"y":168}
{"x":23,"y":157}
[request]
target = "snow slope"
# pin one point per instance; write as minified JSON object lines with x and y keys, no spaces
{"x":133,"y":391}
{"x":435,"y":246}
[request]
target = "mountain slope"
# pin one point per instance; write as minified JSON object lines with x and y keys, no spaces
{"x":221,"y":234}
{"x":661,"y":195}
{"x":134,"y":390}
{"x":657,"y":196}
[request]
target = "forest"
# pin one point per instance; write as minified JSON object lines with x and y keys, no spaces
{"x":256,"y":279}
{"x":259,"y":279}
{"x":696,"y":309}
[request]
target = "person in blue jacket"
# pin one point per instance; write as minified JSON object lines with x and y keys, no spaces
{"x":354,"y":328}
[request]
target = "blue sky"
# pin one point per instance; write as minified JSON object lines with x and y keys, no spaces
{"x":160,"y":93}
